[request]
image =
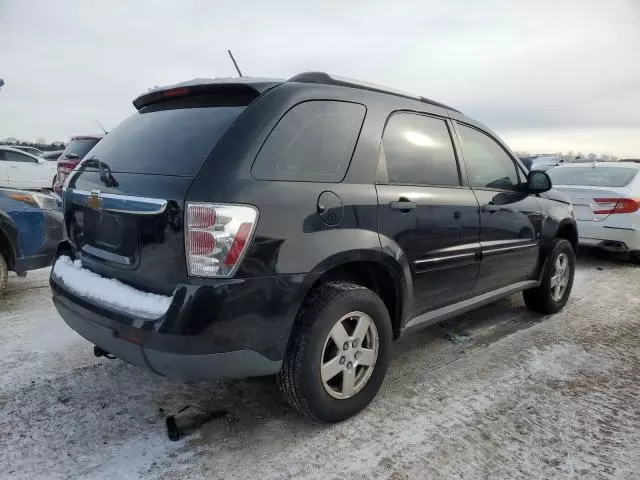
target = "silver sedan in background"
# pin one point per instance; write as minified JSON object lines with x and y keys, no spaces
{"x":606,"y":201}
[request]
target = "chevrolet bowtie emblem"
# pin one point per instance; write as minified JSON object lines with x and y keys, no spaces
{"x":94,"y":200}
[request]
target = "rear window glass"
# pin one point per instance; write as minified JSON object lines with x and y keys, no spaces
{"x":313,"y":142}
{"x":80,"y":147}
{"x":592,"y":177}
{"x":165,"y":139}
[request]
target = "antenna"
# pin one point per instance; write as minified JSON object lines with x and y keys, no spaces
{"x":101,"y":127}
{"x":235,"y":64}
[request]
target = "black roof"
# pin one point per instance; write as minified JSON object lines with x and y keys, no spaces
{"x":259,"y":85}
{"x":323,"y":78}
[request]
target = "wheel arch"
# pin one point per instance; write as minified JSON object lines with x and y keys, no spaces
{"x":8,"y":240}
{"x":382,"y":273}
{"x":569,"y":231}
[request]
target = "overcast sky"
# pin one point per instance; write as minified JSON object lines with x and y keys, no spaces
{"x":546,"y":75}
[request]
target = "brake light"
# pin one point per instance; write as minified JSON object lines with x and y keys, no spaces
{"x":217,"y":237}
{"x":608,"y":206}
{"x":67,"y":167}
{"x":176,"y":92}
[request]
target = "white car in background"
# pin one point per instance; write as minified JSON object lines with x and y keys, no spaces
{"x":606,"y":202}
{"x":19,"y":169}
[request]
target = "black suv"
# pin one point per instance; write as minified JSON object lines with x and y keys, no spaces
{"x":255,"y":227}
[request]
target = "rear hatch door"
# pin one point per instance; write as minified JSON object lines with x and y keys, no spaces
{"x":124,"y":205}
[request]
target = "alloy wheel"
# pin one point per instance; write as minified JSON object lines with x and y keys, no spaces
{"x":560,"y":278}
{"x":349,"y":355}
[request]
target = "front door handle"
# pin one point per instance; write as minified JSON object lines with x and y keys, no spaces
{"x":403,"y":204}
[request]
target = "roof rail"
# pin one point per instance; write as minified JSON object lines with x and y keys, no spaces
{"x":326,"y":79}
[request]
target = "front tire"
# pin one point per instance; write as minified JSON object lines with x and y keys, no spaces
{"x":557,"y":280}
{"x":339,"y":352}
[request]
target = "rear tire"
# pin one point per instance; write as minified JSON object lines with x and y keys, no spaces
{"x":557,"y":280}
{"x":4,"y":274}
{"x":634,"y":257}
{"x":361,"y":360}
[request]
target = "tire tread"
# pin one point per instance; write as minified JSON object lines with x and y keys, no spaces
{"x":289,"y":379}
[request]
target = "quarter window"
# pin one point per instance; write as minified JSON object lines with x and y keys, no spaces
{"x":313,"y":142}
{"x":418,"y":150}
{"x":489,"y":165}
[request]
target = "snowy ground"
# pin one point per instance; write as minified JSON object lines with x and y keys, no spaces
{"x":497,"y":393}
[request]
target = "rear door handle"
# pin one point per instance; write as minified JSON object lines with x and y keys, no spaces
{"x":403,"y":204}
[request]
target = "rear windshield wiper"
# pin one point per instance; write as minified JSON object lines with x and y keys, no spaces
{"x":105,"y":172}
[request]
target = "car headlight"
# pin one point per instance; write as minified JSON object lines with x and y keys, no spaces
{"x":41,"y":200}
{"x":570,"y":206}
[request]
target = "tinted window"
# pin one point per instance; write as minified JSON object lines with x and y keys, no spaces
{"x":18,"y":157}
{"x":313,"y":142}
{"x":593,"y":177}
{"x":489,"y":165}
{"x":418,"y":150}
{"x":80,"y":147}
{"x":165,"y":140}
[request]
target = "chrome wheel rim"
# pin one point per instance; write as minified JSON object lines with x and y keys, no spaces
{"x":560,"y":278}
{"x":349,"y":355}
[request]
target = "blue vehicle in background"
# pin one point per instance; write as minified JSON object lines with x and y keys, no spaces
{"x":31,"y":226}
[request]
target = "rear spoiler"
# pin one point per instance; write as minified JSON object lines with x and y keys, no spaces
{"x":244,"y":86}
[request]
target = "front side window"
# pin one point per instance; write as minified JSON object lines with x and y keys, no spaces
{"x":489,"y":165}
{"x":418,"y":151}
{"x":312,"y":142}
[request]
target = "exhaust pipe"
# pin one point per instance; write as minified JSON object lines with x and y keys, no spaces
{"x":99,"y":352}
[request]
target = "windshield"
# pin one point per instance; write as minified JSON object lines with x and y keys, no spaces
{"x":80,"y":147}
{"x":593,"y":177}
{"x":164,"y":140}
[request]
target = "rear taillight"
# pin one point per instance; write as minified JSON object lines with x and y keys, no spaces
{"x":217,"y":237}
{"x":67,"y":167}
{"x":608,"y":206}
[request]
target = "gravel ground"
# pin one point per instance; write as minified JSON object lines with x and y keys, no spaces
{"x":498,"y":393}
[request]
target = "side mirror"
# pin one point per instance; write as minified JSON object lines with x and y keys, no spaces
{"x":538,"y":182}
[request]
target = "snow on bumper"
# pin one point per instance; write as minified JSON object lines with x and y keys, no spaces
{"x":108,"y":292}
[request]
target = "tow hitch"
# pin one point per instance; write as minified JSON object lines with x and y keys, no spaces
{"x":99,"y":352}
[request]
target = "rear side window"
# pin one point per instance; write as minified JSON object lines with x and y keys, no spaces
{"x":312,"y":142}
{"x":168,"y":138}
{"x":18,"y":157}
{"x":418,"y":151}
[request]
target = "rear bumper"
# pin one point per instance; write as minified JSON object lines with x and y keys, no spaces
{"x":593,"y":234}
{"x":234,"y":364}
{"x":229,"y":328}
